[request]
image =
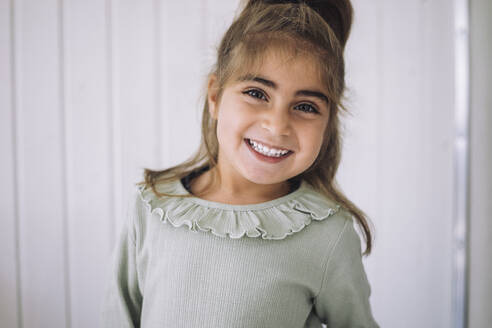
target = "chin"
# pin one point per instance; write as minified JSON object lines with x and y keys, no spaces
{"x":265,"y":178}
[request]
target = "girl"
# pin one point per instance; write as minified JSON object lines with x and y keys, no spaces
{"x":274,"y":243}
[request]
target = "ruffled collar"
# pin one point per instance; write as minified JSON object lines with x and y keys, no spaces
{"x":274,"y":219}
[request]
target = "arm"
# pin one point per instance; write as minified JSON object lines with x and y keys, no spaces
{"x":343,"y":300}
{"x":122,"y":300}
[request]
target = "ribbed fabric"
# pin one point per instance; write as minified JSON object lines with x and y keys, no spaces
{"x":175,"y":275}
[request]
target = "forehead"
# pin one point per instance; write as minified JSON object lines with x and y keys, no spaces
{"x":286,"y":63}
{"x":288,"y":67}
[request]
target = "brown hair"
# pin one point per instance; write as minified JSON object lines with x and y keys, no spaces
{"x":318,"y":29}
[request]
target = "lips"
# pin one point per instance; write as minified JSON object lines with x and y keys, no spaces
{"x":265,"y":158}
{"x":268,"y":145}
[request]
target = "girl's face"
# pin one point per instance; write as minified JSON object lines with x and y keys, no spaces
{"x":285,"y":108}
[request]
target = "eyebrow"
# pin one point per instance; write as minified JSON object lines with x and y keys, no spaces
{"x":271,"y":84}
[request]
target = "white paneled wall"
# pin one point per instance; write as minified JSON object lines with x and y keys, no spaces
{"x":481,"y":163}
{"x":9,"y":266}
{"x":398,"y":154}
{"x":94,"y":91}
{"x":39,"y":179}
{"x":89,"y":148}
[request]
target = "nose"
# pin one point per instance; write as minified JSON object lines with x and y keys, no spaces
{"x":276,"y":121}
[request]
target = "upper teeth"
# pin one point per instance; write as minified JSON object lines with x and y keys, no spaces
{"x":267,"y":151}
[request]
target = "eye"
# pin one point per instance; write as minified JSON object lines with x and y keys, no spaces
{"x":308,"y":108}
{"x":255,"y":94}
{"x":305,"y":107}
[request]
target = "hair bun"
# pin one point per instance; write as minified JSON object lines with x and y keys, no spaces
{"x":337,"y":13}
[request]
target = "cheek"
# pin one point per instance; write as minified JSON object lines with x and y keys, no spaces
{"x":312,"y":142}
{"x":236,"y":116}
{"x":230,"y":126}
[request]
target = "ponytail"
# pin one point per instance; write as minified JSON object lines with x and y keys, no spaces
{"x":338,"y":14}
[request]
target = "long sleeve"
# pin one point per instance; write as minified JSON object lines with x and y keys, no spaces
{"x":343,"y":300}
{"x":122,"y":302}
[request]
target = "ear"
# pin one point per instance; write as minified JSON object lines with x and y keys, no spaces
{"x":212,"y":91}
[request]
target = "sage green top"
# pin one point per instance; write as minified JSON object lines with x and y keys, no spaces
{"x":294,"y":261}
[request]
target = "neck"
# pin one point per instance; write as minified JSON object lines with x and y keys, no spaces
{"x":231,"y":191}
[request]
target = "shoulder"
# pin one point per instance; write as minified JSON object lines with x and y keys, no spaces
{"x":340,"y":234}
{"x":346,"y":246}
{"x":144,"y":205}
{"x":323,"y":208}
{"x":154,"y":198}
{"x":335,"y":221}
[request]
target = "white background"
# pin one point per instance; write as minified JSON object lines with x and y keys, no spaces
{"x":93,"y":91}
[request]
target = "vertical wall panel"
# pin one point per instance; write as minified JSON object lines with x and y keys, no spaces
{"x":433,"y":237}
{"x":183,"y":45}
{"x":398,"y":157}
{"x":42,"y":201}
{"x":134,"y":52}
{"x":188,"y":51}
{"x":115,"y":124}
{"x":89,"y":171}
{"x":361,"y":130}
{"x":415,"y":242}
{"x":360,"y":169}
{"x":480,"y":293}
{"x":417,"y":124}
{"x":219,"y":16}
{"x":9,"y":284}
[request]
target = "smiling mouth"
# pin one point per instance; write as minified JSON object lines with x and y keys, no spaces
{"x":268,"y":152}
